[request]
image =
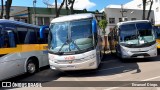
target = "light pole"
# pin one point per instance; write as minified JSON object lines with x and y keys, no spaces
{"x":34,"y":10}
{"x":122,"y":12}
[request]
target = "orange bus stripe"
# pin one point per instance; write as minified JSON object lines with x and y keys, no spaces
{"x":24,"y":48}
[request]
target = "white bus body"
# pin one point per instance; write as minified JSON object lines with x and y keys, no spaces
{"x":75,"y":43}
{"x":135,"y":39}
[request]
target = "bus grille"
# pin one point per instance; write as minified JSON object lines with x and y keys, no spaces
{"x":138,"y":51}
{"x":141,"y":54}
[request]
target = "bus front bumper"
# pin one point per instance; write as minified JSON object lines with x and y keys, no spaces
{"x":139,"y":54}
{"x":89,"y":64}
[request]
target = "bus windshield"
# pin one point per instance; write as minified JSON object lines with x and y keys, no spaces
{"x":72,"y":36}
{"x":136,"y":34}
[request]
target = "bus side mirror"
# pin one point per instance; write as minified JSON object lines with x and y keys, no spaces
{"x":94,"y":26}
{"x":42,"y":31}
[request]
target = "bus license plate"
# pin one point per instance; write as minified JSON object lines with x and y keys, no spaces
{"x":140,"y":56}
{"x":71,"y":66}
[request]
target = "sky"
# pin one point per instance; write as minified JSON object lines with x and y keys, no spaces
{"x":91,"y":5}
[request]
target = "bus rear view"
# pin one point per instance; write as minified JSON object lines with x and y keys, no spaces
{"x":136,"y":39}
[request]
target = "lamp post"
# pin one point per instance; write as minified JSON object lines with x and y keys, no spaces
{"x":34,"y":10}
{"x":122,"y":12}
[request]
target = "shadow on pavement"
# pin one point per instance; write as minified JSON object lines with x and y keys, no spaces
{"x":112,"y":65}
{"x":45,"y":74}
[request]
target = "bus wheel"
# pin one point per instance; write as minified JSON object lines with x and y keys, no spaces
{"x":31,"y":67}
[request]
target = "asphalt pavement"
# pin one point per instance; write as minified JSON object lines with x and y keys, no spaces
{"x":111,"y":70}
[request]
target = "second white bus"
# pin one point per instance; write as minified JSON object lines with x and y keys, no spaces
{"x":133,"y":39}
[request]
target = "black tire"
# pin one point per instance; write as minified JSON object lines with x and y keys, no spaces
{"x":31,"y":67}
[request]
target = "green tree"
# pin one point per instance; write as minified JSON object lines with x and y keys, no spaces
{"x":96,"y":11}
{"x":103,"y":24}
{"x":104,"y":15}
{"x":85,"y":10}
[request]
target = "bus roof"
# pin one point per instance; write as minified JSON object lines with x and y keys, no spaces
{"x":129,"y":22}
{"x":72,"y":17}
{"x":18,"y":22}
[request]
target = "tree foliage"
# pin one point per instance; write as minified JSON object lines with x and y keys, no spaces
{"x":104,"y":15}
{"x":85,"y":10}
{"x":96,"y":11}
{"x":103,"y":24}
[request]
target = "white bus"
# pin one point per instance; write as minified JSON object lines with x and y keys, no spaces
{"x":75,"y":43}
{"x":21,"y":49}
{"x":133,"y":39}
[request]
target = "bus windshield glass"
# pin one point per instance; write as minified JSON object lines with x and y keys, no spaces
{"x":136,"y":34}
{"x":72,"y":36}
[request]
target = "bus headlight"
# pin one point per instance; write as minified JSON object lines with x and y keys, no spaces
{"x":124,"y":52}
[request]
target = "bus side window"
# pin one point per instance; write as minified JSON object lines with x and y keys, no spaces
{"x":30,"y":37}
{"x":7,"y":39}
{"x":22,"y":31}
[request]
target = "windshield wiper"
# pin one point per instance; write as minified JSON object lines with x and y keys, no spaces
{"x":66,"y":42}
{"x":75,"y":45}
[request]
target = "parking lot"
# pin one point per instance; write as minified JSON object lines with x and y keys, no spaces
{"x":111,"y":69}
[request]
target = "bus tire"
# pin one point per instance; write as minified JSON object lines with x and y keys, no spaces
{"x":31,"y":66}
